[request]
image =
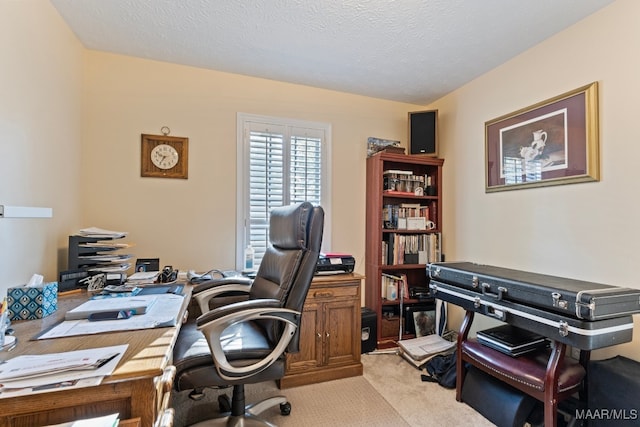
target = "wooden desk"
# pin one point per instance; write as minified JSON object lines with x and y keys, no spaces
{"x":134,"y":390}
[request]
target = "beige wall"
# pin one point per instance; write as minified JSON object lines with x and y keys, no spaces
{"x":40,"y":145}
{"x":71,"y":130}
{"x":585,"y":231}
{"x":191,"y":223}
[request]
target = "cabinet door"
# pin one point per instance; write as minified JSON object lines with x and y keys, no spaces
{"x":342,"y":332}
{"x":311,"y":336}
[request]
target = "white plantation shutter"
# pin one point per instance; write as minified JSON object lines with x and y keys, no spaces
{"x":266,"y":184}
{"x":305,"y":166}
{"x":284,"y":164}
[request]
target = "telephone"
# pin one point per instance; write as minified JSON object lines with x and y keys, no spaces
{"x":168,"y":274}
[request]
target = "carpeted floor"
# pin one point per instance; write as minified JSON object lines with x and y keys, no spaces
{"x":419,"y":403}
{"x":390,"y":393}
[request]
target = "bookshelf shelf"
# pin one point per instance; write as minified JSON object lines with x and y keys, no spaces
{"x":393,"y":250}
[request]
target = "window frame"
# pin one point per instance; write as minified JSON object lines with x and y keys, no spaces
{"x":242,"y":178}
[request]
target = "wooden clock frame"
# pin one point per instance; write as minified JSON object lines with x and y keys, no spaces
{"x":148,"y":169}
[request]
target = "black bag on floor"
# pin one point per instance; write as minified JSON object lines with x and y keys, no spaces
{"x":441,"y":369}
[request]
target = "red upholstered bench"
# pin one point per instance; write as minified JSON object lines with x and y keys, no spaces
{"x":548,"y":376}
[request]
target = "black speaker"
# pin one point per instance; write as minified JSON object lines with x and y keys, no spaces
{"x":423,"y":136}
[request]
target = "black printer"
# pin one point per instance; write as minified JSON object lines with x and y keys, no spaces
{"x":333,"y":263}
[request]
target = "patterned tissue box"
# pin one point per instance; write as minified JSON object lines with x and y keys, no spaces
{"x":28,"y":303}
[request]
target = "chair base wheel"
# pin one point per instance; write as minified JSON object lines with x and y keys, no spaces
{"x":285,"y":408}
{"x":224,"y":403}
{"x":250,"y":417}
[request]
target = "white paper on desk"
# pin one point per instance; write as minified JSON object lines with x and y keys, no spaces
{"x":163,"y":312}
{"x":143,"y":275}
{"x":106,"y":421}
{"x":27,"y":362}
{"x":59,"y":386}
{"x":139,"y":304}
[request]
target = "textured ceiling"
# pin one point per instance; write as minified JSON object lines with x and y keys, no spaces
{"x":412,"y":51}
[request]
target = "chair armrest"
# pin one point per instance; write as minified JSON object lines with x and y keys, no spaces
{"x":236,"y":308}
{"x":233,"y":288}
{"x":208,"y":284}
{"x":213,"y":324}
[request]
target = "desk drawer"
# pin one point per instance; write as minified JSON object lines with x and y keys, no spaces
{"x":333,"y":292}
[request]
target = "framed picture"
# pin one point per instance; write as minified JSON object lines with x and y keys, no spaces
{"x":550,"y":143}
{"x":424,"y":322}
{"x":409,"y":318}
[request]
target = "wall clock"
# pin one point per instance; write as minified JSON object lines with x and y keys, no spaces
{"x":164,"y":156}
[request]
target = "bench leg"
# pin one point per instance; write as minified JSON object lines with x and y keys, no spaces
{"x":551,"y":383}
{"x":462,"y":337}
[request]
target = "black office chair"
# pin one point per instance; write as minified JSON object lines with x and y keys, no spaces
{"x":245,"y":342}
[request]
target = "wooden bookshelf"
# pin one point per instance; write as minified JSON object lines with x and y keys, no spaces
{"x":381,"y":234}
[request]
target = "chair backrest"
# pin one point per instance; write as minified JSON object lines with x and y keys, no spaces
{"x":289,"y":263}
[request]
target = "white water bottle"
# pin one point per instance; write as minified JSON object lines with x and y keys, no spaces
{"x":392,"y":292}
{"x":248,"y":258}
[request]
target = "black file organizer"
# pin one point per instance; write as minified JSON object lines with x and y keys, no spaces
{"x":76,"y":251}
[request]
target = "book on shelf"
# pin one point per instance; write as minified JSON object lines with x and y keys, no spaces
{"x":398,"y":216}
{"x":393,"y":149}
{"x":400,"y":249}
{"x":397,"y":172}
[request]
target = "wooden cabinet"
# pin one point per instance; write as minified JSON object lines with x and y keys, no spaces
{"x":330,"y":333}
{"x":391,"y":243}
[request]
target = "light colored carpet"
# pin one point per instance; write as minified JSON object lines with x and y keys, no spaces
{"x":419,"y":403}
{"x":346,"y":402}
{"x":390,"y":393}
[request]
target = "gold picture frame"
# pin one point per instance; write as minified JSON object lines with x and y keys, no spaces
{"x":553,"y":142}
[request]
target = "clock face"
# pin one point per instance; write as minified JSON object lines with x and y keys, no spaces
{"x":164,"y":156}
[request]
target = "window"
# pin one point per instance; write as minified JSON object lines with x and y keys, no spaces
{"x":280,"y":162}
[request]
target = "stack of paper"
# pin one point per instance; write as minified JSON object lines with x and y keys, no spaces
{"x":55,"y":371}
{"x":163,"y":312}
{"x":143,"y":277}
{"x":106,"y":421}
{"x":419,"y":350}
{"x":101,"y":233}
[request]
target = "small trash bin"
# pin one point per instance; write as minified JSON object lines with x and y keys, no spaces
{"x":369,"y":330}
